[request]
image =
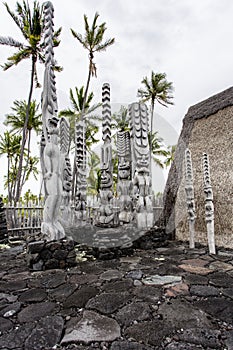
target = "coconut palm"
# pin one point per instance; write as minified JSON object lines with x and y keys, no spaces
{"x":156,"y":89}
{"x":120,"y":120}
{"x":74,"y":114}
{"x":91,"y":121}
{"x":30,"y":169}
{"x":158,"y":149}
{"x":93,"y":41}
{"x":10,"y":146}
{"x":170,"y":156}
{"x":16,"y":120}
{"x":30,"y":24}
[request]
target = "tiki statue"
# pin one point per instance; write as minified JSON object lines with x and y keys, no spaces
{"x":51,"y":228}
{"x":140,"y":165}
{"x":124,"y":184}
{"x":106,"y":213}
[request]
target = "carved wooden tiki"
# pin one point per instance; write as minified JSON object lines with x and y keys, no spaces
{"x":140,"y":165}
{"x":209,"y":205}
{"x":50,"y":152}
{"x":189,"y":189}
{"x":106,"y":212}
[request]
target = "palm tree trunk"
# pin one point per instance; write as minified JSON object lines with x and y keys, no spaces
{"x":74,"y":181}
{"x":151,"y":131}
{"x":8,"y":184}
{"x":19,"y":173}
{"x":26,"y":165}
{"x":86,"y":89}
{"x":15,"y":167}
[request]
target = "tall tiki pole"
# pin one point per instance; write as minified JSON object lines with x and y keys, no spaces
{"x":106,"y":114}
{"x":106,"y":157}
{"x":51,"y":228}
{"x":189,"y":189}
{"x":106,"y":195}
{"x":80,"y":166}
{"x":49,"y":96}
{"x":209,"y":206}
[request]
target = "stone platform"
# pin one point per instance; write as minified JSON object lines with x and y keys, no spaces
{"x":118,"y":237}
{"x":165,"y":298}
{"x":43,"y":255}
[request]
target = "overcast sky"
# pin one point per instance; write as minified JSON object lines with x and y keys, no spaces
{"x":189,"y":40}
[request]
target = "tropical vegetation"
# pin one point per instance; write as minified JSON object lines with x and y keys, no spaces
{"x":25,"y":117}
{"x":93,"y":41}
{"x":31,"y":25}
{"x":10,"y":145}
{"x":74,"y":115}
{"x":155,"y":89}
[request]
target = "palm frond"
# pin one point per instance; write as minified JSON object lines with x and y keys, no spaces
{"x":103,"y":47}
{"x":79,"y":37}
{"x":80,"y":97}
{"x":58,"y":68}
{"x":74,"y":103}
{"x":56,"y":40}
{"x":16,"y":19}
{"x":158,"y":162}
{"x":17,"y":57}
{"x":9,"y":41}
{"x":86,"y":24}
{"x":66,"y":113}
{"x":92,"y":109}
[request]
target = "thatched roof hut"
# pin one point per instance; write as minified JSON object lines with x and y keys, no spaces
{"x":207,"y":127}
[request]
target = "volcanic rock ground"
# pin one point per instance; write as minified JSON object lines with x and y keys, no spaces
{"x":166,"y":298}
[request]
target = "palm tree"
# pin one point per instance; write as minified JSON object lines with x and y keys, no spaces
{"x":156,"y":89}
{"x":157,"y":149}
{"x":30,"y":23}
{"x":170,"y":156}
{"x":31,"y":168}
{"x":74,"y":114}
{"x":16,"y":120}
{"x":120,"y":120}
{"x":92,"y":40}
{"x":10,"y":146}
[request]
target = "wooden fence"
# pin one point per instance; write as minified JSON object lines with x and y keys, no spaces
{"x":24,"y":220}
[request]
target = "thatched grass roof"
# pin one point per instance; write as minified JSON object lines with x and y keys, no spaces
{"x":204,"y":109}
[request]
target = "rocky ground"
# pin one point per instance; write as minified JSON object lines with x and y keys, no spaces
{"x":166,"y":298}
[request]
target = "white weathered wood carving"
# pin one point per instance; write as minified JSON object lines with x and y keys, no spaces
{"x":209,"y":205}
{"x":140,"y":165}
{"x":189,"y":189}
{"x":124,"y":183}
{"x":51,"y":227}
{"x":106,"y":212}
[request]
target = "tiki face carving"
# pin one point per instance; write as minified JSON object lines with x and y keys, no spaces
{"x":106,"y":178}
{"x":143,"y":163}
{"x":124,"y":169}
{"x":209,"y":193}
